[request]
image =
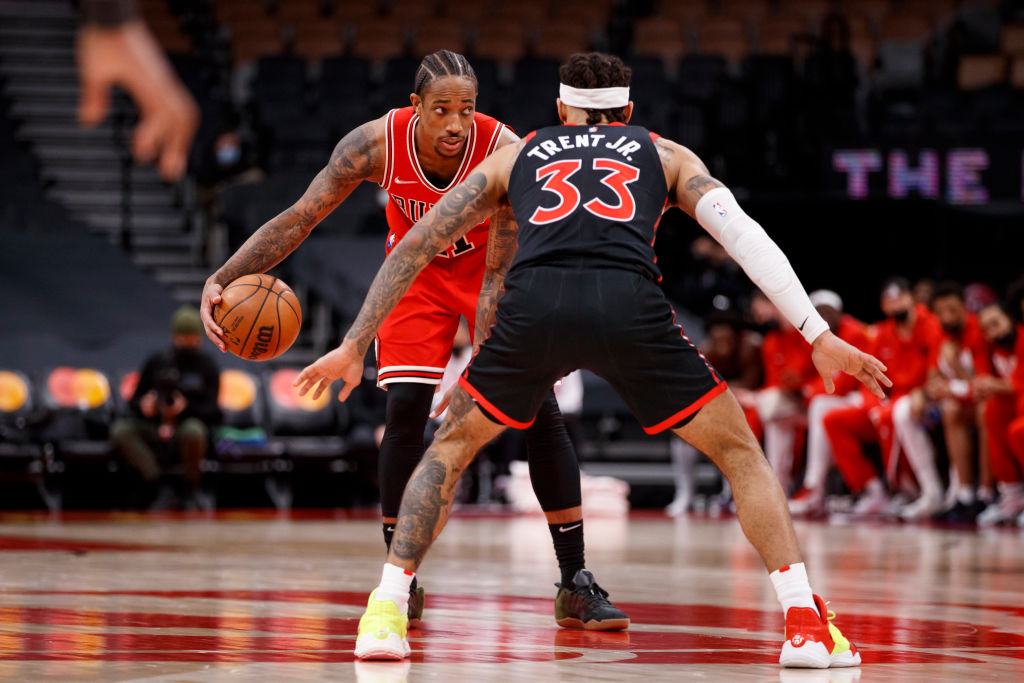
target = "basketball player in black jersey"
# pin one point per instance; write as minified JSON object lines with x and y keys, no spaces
{"x":581,"y":291}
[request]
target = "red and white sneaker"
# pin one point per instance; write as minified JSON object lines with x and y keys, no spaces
{"x":813,"y":641}
{"x":809,"y":502}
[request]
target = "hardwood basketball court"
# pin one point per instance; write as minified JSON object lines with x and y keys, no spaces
{"x":246,"y":596}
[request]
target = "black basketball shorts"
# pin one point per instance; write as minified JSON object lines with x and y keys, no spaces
{"x":616,"y":323}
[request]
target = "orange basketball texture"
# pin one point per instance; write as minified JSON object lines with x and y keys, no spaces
{"x":260,"y":316}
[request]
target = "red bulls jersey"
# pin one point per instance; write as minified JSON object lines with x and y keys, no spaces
{"x":411,"y":194}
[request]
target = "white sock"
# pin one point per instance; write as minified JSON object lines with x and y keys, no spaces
{"x":792,"y":587}
{"x":965,"y":495}
{"x":394,"y":585}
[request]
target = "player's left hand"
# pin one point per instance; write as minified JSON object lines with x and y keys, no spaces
{"x":832,"y":354}
{"x":442,"y":405}
{"x":344,"y":363}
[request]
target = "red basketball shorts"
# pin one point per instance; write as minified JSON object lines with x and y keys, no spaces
{"x":415,"y":342}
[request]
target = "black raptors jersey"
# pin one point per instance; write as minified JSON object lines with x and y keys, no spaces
{"x":589,"y":196}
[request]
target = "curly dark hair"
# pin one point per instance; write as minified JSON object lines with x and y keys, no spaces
{"x":597,"y":70}
{"x":438,"y":65}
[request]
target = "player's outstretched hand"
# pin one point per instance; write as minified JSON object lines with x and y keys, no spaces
{"x":211,"y":297}
{"x":344,"y":362}
{"x":129,"y":57}
{"x":832,"y":354}
{"x":442,"y":405}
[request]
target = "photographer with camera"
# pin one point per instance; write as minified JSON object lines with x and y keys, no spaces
{"x":175,"y":407}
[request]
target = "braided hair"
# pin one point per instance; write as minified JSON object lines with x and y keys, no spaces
{"x":597,"y":70}
{"x":438,"y":65}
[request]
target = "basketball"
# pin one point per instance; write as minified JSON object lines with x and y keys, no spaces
{"x":260,"y":316}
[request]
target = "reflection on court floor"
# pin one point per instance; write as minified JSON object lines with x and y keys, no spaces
{"x":260,"y":597}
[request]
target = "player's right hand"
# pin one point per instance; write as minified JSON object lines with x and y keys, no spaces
{"x":832,"y":354}
{"x":211,"y":297}
{"x":129,"y":57}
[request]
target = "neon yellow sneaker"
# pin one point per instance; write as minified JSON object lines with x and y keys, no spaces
{"x":382,"y":630}
{"x":844,"y":653}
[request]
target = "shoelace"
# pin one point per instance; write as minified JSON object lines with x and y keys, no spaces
{"x":599,"y":594}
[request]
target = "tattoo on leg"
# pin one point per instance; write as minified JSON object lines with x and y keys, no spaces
{"x":422,"y":505}
{"x":458,"y":408}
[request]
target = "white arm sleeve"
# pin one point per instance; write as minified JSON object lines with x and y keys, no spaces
{"x":720,"y":214}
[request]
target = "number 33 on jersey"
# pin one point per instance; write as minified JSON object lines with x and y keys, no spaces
{"x":588,"y":193}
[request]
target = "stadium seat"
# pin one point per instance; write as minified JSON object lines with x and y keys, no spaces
{"x":318,"y":40}
{"x":503,"y":44}
{"x":981,"y":71}
{"x":700,"y":77}
{"x":753,"y":11}
{"x":876,"y":11}
{"x":558,"y":41}
{"x":775,"y":35}
{"x":1017,"y":73}
{"x":689,"y":14}
{"x":379,"y":39}
{"x":411,"y":12}
{"x":660,"y":37}
{"x":303,"y":426}
{"x":80,"y":406}
{"x":906,"y":29}
{"x":813,"y":11}
{"x":1011,"y":41}
{"x":438,"y":34}
{"x":297,"y":11}
{"x":723,"y":36}
{"x":17,"y":408}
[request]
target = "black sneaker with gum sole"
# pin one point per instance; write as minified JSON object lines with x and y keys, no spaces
{"x":585,"y":605}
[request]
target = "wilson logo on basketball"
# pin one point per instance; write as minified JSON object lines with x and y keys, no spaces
{"x":262,"y":345}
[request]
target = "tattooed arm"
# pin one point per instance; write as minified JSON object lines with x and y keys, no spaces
{"x":687,"y":176}
{"x":357,"y":157}
{"x":458,"y":211}
{"x":501,"y":249}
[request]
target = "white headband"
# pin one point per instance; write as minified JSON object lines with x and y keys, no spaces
{"x":593,"y":98}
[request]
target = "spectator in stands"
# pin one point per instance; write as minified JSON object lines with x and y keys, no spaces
{"x":831,"y":79}
{"x":780,"y":401}
{"x":999,"y":388}
{"x":810,"y":499}
{"x":116,"y":48}
{"x":735,"y":354}
{"x":923,"y":291}
{"x":712,"y":281}
{"x":946,"y":396}
{"x":175,"y":408}
{"x":225,"y":160}
{"x":906,"y":342}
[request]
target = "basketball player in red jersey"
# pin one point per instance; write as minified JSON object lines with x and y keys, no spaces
{"x":417,"y":154}
{"x":581,"y":291}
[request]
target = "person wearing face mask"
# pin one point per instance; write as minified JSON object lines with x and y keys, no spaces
{"x":999,"y":389}
{"x":907,"y":342}
{"x":174,"y":409}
